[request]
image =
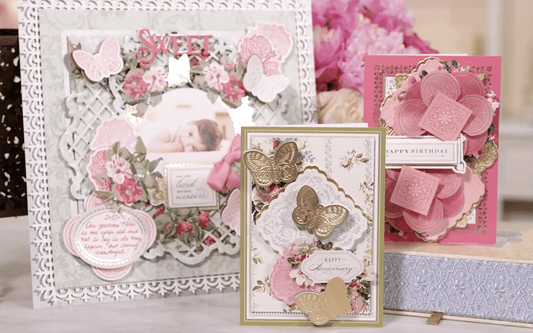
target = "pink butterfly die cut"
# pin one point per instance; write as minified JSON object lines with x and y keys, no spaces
{"x":102,"y":64}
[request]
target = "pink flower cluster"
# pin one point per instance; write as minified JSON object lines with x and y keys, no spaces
{"x":186,"y":226}
{"x":138,"y":83}
{"x":345,"y":31}
{"x":221,"y":78}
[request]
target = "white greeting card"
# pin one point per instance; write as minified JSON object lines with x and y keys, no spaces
{"x":132,"y":116}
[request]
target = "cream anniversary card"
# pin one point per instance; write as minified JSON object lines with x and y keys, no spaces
{"x":312,"y":225}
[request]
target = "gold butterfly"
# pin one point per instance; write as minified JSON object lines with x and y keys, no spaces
{"x":311,"y":214}
{"x":268,"y":170}
{"x":328,"y":305}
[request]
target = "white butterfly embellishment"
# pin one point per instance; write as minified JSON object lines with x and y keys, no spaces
{"x":264,"y":87}
{"x":103,"y":64}
{"x":179,"y":71}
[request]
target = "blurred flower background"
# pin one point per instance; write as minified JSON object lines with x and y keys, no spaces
{"x":344,"y":32}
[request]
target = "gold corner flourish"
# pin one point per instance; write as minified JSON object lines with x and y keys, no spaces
{"x":482,"y":163}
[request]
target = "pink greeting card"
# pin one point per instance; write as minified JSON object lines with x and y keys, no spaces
{"x":441,"y":115}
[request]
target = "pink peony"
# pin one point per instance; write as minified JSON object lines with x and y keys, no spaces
{"x":118,"y":169}
{"x":183,"y":227}
{"x":216,"y":75}
{"x":129,"y":191}
{"x":134,"y":85}
{"x":388,"y":14}
{"x":367,"y":39}
{"x":234,"y":89}
{"x":203,"y":220}
{"x":336,"y":14}
{"x":345,"y":31}
{"x":412,"y":40}
{"x":328,"y":47}
{"x":155,"y":78}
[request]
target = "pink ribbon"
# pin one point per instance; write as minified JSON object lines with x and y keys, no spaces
{"x":222,"y":175}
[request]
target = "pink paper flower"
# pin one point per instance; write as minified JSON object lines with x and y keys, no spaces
{"x":203,"y":220}
{"x":476,"y":127}
{"x":155,"y":78}
{"x":278,"y":36}
{"x":234,"y":89}
{"x":216,"y":76}
{"x":261,"y":46}
{"x":184,"y":227}
{"x":282,"y":285}
{"x":134,"y":85}
{"x":129,"y":191}
{"x":448,"y":202}
{"x":97,"y":165}
{"x":118,"y":169}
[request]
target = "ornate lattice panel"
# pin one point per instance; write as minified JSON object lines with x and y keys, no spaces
{"x":13,"y":200}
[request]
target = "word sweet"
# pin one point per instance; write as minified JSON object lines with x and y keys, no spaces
{"x":179,"y":43}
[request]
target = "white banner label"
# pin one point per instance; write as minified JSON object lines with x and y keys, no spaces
{"x":425,"y":152}
{"x":323,"y":266}
{"x":187,"y":187}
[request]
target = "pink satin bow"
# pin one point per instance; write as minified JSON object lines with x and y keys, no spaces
{"x":222,"y":175}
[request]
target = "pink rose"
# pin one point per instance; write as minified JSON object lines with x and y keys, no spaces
{"x":155,"y":78}
{"x":118,"y":169}
{"x":129,"y":191}
{"x":267,"y":194}
{"x":183,"y":227}
{"x":134,"y":85}
{"x":216,"y":75}
{"x":209,"y":240}
{"x":229,"y":66}
{"x":234,"y":89}
{"x":203,"y":220}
